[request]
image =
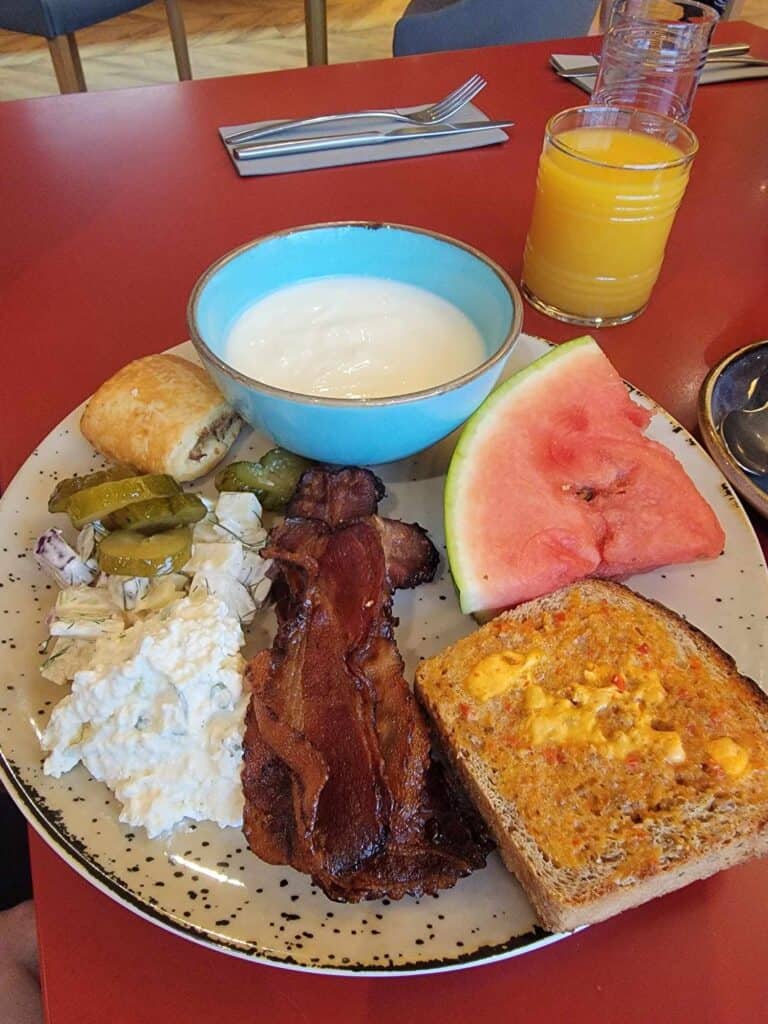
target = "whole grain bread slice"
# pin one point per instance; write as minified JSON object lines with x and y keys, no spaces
{"x":590,"y":835}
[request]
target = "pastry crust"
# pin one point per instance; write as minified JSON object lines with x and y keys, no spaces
{"x":161,"y":414}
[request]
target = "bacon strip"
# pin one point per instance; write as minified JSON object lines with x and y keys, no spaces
{"x":336,"y":496}
{"x":338,"y":778}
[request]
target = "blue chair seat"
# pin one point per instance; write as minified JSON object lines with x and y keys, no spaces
{"x":58,"y":20}
{"x":52,"y":18}
{"x":429,"y":25}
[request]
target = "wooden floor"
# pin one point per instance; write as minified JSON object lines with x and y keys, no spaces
{"x":226,"y":37}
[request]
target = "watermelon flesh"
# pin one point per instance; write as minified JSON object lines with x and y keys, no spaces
{"x":553,"y":480}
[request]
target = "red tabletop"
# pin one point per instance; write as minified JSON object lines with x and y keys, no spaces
{"x":112,"y":204}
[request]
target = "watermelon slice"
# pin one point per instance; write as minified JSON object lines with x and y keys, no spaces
{"x":553,"y":480}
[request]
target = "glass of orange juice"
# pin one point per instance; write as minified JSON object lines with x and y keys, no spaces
{"x":609,"y":184}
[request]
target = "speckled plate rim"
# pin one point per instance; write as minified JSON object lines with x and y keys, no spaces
{"x":755,"y":495}
{"x":61,"y":844}
{"x":55,"y":834}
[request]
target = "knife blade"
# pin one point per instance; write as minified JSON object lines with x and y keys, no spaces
{"x":289,"y":147}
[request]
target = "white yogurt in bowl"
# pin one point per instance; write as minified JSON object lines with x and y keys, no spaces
{"x":347,"y":336}
{"x":355,"y":343}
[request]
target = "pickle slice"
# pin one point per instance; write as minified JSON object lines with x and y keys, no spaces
{"x":64,"y":489}
{"x":99,"y":501}
{"x":158,"y":514}
{"x":127,"y":553}
{"x":272,"y":479}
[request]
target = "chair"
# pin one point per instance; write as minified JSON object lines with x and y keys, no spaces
{"x":316,"y":31}
{"x":429,"y":25}
{"x":58,"y":20}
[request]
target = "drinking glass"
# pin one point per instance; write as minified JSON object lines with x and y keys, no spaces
{"x":609,"y":183}
{"x":652,"y":55}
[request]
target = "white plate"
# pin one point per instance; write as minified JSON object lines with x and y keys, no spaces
{"x":201,"y":882}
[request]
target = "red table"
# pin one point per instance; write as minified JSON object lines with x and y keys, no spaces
{"x":112,"y":205}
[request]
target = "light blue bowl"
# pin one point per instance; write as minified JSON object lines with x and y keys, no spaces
{"x":353,"y":430}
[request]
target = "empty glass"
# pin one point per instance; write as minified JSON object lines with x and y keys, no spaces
{"x":652,"y":56}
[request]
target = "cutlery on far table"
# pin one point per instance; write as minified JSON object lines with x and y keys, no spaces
{"x":724,"y":53}
{"x":435,"y":113}
{"x":715,"y":63}
{"x":289,"y":147}
{"x":727,"y":49}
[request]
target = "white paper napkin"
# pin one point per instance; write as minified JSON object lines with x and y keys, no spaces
{"x":395,"y":150}
{"x":715,"y":73}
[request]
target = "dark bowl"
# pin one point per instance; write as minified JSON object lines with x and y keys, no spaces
{"x":723,"y":390}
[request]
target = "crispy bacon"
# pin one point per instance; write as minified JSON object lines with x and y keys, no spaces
{"x":336,"y":496}
{"x":338,"y":778}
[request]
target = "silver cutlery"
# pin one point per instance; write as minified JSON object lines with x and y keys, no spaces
{"x":745,"y":433}
{"x":746,"y":61}
{"x":289,"y":147}
{"x":717,"y":50}
{"x":435,"y":113}
{"x":744,"y":429}
{"x":727,"y":49}
{"x":719,"y":62}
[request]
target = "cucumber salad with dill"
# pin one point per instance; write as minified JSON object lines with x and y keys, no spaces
{"x":156,"y":586}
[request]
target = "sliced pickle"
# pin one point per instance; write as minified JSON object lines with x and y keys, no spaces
{"x":158,"y":514}
{"x":240,"y":476}
{"x":272,"y":479}
{"x":99,"y":501}
{"x":127,"y":553}
{"x":64,"y":489}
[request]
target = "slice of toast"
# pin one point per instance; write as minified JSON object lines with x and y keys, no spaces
{"x":613,"y":750}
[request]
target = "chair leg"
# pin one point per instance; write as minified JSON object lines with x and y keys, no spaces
{"x":316,"y":31}
{"x":66,"y":63}
{"x":179,"y":40}
{"x":733,"y":9}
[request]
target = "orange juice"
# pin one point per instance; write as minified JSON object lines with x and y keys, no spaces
{"x":606,"y":197}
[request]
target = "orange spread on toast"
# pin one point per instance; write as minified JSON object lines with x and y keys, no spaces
{"x":610,"y":737}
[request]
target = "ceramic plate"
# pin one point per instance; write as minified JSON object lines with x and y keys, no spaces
{"x":201,"y":882}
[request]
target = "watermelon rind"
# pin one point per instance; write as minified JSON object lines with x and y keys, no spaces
{"x":456,"y":493}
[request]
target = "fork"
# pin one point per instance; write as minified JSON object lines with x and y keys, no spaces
{"x":436,"y":113}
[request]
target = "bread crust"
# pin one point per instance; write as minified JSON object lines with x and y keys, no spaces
{"x":564,"y":907}
{"x":161,"y":414}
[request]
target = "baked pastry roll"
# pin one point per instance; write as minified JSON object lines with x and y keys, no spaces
{"x":161,"y":414}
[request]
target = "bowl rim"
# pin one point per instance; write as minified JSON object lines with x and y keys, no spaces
{"x":499,"y":355}
{"x":755,"y":495}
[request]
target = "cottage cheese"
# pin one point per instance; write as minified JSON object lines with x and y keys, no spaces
{"x":225,"y":563}
{"x":158,"y":715}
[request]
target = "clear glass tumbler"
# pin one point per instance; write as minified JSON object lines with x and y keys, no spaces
{"x":609,"y":183}
{"x":652,"y":55}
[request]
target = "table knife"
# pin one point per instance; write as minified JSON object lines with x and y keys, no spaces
{"x":727,"y":49}
{"x":319,"y":144}
{"x":716,"y":64}
{"x":715,"y":53}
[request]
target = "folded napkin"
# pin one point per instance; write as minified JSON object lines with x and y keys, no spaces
{"x":395,"y":150}
{"x":711,"y":74}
